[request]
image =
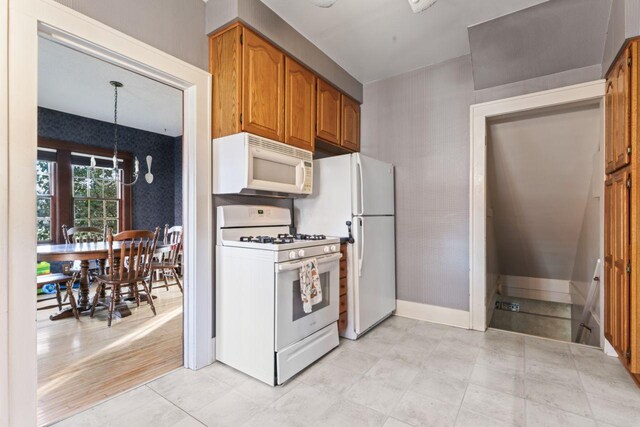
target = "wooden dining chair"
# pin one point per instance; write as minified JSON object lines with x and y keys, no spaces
{"x":130,"y":269}
{"x":83,"y":234}
{"x":168,"y":264}
{"x":57,"y":279}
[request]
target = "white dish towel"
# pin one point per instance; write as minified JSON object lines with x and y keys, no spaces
{"x":310,"y":288}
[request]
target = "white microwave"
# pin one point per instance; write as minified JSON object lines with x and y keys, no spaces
{"x":248,"y":164}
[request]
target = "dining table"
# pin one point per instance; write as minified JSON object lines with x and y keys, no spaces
{"x":86,"y":252}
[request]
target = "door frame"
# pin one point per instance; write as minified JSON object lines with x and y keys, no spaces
{"x":480,"y":114}
{"x":27,"y":19}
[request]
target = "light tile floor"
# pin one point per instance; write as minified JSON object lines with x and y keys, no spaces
{"x":403,"y":373}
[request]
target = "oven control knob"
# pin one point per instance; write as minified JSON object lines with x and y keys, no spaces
{"x":326,"y":249}
{"x":333,"y":248}
{"x":301,"y":253}
{"x":292,"y":255}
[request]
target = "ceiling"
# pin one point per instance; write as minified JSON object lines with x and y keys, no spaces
{"x":540,"y":168}
{"x":546,"y":39}
{"x":76,"y":83}
{"x":376,"y":39}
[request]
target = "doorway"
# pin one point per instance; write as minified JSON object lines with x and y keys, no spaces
{"x":544,"y":210}
{"x":81,"y":198}
{"x":27,"y":21}
{"x":483,"y":280}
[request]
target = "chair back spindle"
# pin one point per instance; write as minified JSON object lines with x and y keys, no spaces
{"x":174,"y":239}
{"x":136,"y":253}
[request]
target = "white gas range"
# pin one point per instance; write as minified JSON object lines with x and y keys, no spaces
{"x":261,"y":326}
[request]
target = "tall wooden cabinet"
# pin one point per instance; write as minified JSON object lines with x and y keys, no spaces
{"x":257,"y":88}
{"x":622,"y":214}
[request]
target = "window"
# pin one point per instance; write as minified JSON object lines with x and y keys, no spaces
{"x":44,"y":206}
{"x":96,"y":204}
{"x":64,"y":196}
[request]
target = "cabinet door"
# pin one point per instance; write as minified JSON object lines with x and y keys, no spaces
{"x":622,"y":111}
{"x":609,"y":276}
{"x":617,"y":298}
{"x":350,"y":124}
{"x":263,"y":87}
{"x":610,"y":98}
{"x":225,"y":56}
{"x":300,"y":105}
{"x":328,"y":113}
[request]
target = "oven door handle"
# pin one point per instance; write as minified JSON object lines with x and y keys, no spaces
{"x":298,"y":265}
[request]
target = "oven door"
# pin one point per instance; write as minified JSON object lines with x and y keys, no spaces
{"x":273,"y":171}
{"x":292,"y":323}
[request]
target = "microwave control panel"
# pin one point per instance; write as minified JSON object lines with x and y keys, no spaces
{"x":308,"y":177}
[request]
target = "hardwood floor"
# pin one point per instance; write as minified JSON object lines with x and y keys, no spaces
{"x":82,"y":362}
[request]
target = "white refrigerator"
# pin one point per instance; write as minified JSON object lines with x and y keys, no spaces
{"x":359,"y":189}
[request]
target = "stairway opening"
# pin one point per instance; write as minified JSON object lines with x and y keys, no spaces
{"x":544,"y":222}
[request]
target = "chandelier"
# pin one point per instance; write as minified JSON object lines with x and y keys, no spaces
{"x":115,"y":171}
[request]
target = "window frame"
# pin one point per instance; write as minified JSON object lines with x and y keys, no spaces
{"x":62,"y":204}
{"x":52,"y":206}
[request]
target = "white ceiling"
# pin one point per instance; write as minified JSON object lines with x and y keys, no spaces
{"x":540,"y":171}
{"x":76,"y":83}
{"x":375,"y":39}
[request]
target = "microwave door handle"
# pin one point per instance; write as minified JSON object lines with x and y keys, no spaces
{"x":304,"y":176}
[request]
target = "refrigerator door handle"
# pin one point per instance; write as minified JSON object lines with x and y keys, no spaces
{"x":361,"y":251}
{"x":360,"y":184}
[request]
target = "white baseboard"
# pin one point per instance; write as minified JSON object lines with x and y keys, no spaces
{"x":433,"y":313}
{"x":609,"y":350}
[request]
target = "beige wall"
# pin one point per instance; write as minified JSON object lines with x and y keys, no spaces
{"x":624,"y":22}
{"x":173,"y":26}
{"x":419,"y":121}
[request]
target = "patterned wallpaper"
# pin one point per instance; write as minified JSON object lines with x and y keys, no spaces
{"x":154,"y":204}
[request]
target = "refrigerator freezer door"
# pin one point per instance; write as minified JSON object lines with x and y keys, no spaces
{"x":329,"y":207}
{"x":372,"y":182}
{"x":374,"y":270}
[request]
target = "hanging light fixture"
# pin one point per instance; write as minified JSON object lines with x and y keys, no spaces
{"x":115,"y":171}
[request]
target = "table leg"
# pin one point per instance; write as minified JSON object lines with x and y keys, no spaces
{"x":83,"y":302}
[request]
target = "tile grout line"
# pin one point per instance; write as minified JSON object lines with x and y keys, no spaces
{"x":182,"y":410}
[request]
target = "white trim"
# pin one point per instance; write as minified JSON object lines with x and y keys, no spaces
{"x":4,"y":212}
{"x":26,"y":18}
{"x":432,"y":313}
{"x":479,"y":113}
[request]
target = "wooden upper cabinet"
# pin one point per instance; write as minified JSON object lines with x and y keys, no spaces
{"x":256,"y":88}
{"x":618,"y":113}
{"x":262,"y":87}
{"x":225,"y":64}
{"x":300,"y":105}
{"x":328,"y":113}
{"x":610,"y":160}
{"x":350,"y":124}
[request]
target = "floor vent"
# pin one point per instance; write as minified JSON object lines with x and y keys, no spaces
{"x":507,"y":306}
